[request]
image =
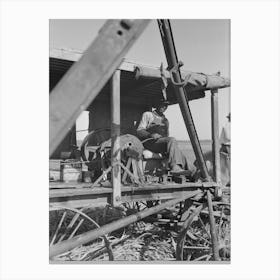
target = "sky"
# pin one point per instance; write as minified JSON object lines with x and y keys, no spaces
{"x":202,"y":44}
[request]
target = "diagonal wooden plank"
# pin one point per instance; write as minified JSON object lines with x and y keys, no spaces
{"x":84,"y":80}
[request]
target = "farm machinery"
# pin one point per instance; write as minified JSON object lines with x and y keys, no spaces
{"x":114,"y":169}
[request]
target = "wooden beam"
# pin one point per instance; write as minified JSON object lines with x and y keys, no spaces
{"x":74,"y":188}
{"x":199,"y":81}
{"x":72,"y":196}
{"x":213,"y":230}
{"x":215,"y":136}
{"x":85,"y":79}
{"x":150,"y":72}
{"x":115,"y":136}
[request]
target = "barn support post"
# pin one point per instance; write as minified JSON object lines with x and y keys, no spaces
{"x":115,"y":138}
{"x":70,"y":244}
{"x":85,"y":79}
{"x":215,"y":135}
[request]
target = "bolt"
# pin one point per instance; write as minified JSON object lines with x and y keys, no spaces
{"x":126,"y":23}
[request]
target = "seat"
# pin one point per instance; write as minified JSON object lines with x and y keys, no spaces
{"x":153,"y":162}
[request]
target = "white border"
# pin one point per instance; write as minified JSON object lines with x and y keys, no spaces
{"x":24,"y":136}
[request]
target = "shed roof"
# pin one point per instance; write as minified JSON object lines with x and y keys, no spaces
{"x":140,"y":84}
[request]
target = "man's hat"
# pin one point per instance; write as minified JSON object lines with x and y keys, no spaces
{"x":162,"y":101}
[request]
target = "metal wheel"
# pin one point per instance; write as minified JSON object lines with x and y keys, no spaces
{"x":137,"y":206}
{"x":89,"y":151}
{"x":96,"y":152}
{"x":65,"y":223}
{"x":92,"y":141}
{"x":194,"y":240}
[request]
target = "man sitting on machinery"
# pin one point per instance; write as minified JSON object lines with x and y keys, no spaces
{"x":153,"y":130}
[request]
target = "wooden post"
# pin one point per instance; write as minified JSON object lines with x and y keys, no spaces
{"x":215,"y":136}
{"x":61,"y":173}
{"x":115,"y":136}
{"x":214,"y":237}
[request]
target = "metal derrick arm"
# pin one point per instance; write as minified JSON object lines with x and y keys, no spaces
{"x":172,"y":60}
{"x":174,"y":67}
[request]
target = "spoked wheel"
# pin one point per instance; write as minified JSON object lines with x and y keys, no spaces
{"x":194,"y":240}
{"x":135,"y":207}
{"x":89,"y":151}
{"x":66,"y":223}
{"x":92,"y":142}
{"x":96,"y":152}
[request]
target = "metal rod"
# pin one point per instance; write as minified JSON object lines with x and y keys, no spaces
{"x":172,"y":60}
{"x":67,"y":245}
{"x":214,"y":239}
{"x":58,"y":227}
{"x":215,"y":136}
{"x":76,"y":228}
{"x":115,"y":137}
{"x":68,"y":228}
{"x":85,"y":79}
{"x":204,"y":227}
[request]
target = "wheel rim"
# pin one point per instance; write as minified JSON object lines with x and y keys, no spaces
{"x":194,"y":240}
{"x":69,"y":224}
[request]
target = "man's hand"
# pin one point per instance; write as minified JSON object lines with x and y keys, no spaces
{"x":156,"y":136}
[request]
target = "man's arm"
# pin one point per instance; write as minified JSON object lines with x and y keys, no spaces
{"x":225,"y":135}
{"x":167,"y":128}
{"x":142,"y":132}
